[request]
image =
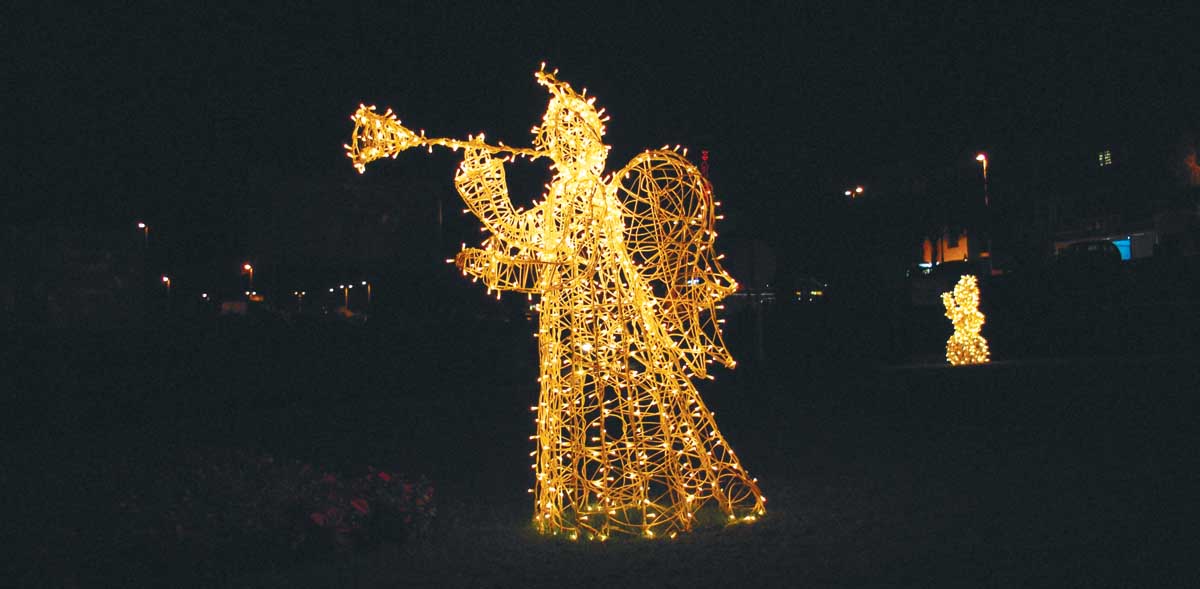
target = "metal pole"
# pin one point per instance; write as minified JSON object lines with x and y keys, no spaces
{"x":986,"y":201}
{"x":988,"y":215}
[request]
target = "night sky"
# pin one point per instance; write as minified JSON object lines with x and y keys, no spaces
{"x":170,"y":113}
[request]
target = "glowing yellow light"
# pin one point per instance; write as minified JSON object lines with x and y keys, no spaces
{"x":629,"y":286}
{"x":966,"y":345}
{"x":981,"y":158}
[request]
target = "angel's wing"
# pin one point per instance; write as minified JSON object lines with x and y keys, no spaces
{"x":668,"y":216}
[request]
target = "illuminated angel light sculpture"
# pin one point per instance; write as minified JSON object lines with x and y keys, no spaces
{"x":966,"y":345}
{"x":628,"y":287}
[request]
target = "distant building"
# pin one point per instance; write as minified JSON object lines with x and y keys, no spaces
{"x":65,"y":277}
{"x":955,"y":244}
{"x":752,"y":264}
{"x":1135,"y":240}
{"x":233,"y":307}
{"x":938,"y":210}
{"x":1138,"y":194}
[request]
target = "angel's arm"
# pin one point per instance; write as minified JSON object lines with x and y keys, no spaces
{"x":481,"y":183}
{"x":503,"y":271}
{"x":949,"y":304}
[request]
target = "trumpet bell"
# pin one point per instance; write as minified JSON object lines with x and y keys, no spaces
{"x":377,"y":136}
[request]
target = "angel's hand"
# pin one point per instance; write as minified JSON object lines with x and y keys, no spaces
{"x":501,"y":272}
{"x":472,"y":261}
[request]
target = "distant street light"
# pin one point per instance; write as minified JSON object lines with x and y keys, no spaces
{"x":368,"y":285}
{"x":854,"y":192}
{"x":167,"y":281}
{"x":145,"y":233}
{"x":248,"y":269}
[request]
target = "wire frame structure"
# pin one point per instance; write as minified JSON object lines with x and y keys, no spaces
{"x":627,"y":286}
{"x":967,"y":345}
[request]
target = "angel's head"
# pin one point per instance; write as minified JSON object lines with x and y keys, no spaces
{"x":571,"y":131}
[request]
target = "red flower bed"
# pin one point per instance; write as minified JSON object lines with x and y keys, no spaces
{"x":221,"y":502}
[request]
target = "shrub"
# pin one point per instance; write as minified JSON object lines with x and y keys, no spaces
{"x":221,"y":504}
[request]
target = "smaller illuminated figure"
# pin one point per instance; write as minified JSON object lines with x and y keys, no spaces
{"x":967,"y":345}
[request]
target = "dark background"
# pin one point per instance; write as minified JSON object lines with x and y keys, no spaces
{"x":210,"y":122}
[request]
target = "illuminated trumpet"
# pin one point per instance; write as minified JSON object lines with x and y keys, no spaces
{"x":377,"y":136}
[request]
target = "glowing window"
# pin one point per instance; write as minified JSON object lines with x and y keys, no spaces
{"x":1104,"y":158}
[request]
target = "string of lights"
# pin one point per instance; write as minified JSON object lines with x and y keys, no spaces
{"x":966,"y":345}
{"x":627,"y":287}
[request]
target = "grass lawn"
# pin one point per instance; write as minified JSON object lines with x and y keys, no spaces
{"x":1056,"y":473}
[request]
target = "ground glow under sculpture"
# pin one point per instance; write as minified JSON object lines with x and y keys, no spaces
{"x":627,"y":286}
{"x":966,"y":345}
